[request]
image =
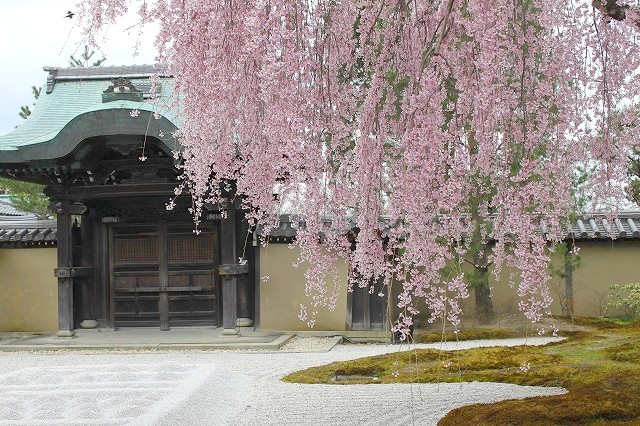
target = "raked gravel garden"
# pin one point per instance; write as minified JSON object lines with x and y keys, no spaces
{"x":229,"y":387}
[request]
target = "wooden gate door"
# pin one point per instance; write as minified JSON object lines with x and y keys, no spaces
{"x":368,"y":309}
{"x":163,"y":275}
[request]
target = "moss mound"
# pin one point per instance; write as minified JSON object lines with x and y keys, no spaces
{"x":625,"y":352}
{"x":600,"y":368}
{"x":605,"y":323}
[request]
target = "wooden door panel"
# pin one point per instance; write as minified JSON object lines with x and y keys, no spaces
{"x":368,"y":309}
{"x":190,"y":284}
{"x":179,"y":280}
{"x":125,"y":282}
{"x":198,"y":301}
{"x":204,"y":280}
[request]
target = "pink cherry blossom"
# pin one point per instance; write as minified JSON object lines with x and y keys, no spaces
{"x":439,"y":117}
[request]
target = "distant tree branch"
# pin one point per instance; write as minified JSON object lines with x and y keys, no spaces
{"x":618,"y":12}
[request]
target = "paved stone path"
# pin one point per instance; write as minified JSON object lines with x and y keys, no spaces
{"x":211,"y":388}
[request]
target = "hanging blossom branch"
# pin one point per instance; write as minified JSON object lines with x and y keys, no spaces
{"x":459,"y":122}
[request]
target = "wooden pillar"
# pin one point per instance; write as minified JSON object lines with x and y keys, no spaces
{"x":63,"y":272}
{"x":88,"y":304}
{"x":163,"y":263}
{"x":244,"y":293}
{"x":256,"y":284}
{"x":228,"y":271}
{"x":101,"y":275}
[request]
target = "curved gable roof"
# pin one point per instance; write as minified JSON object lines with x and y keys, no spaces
{"x":71,"y":108}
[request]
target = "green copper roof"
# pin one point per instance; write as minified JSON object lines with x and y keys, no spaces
{"x":73,"y":99}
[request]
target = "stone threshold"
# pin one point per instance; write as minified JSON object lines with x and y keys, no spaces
{"x":217,"y":343}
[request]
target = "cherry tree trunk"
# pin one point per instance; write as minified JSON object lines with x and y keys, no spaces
{"x":484,"y":305}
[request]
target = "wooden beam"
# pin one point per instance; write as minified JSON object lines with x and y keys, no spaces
{"x":121,"y":191}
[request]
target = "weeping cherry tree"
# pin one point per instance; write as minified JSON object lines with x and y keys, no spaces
{"x":449,"y":130}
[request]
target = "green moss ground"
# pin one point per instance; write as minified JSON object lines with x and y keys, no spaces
{"x":470,"y":334}
{"x":600,"y":367}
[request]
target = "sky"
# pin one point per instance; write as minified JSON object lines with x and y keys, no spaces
{"x":35,"y":33}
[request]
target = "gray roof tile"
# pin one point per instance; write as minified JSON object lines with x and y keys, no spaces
{"x":626,"y":225}
{"x":8,"y":209}
{"x":594,"y":227}
{"x":28,"y":233}
{"x":586,"y":227}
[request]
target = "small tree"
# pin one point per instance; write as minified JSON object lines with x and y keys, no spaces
{"x":626,"y":298}
{"x":570,"y":262}
{"x":84,"y":60}
{"x":633,"y":190}
{"x":26,"y":196}
{"x":25,"y":111}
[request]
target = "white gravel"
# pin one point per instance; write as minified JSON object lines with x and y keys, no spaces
{"x":223,"y":387}
{"x":309,"y":344}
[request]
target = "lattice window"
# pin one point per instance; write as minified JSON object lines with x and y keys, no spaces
{"x":136,"y":250}
{"x":191,"y":248}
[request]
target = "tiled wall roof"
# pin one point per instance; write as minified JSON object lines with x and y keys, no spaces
{"x":587,"y":227}
{"x":594,"y":227}
{"x":28,"y":233}
{"x":626,"y":225}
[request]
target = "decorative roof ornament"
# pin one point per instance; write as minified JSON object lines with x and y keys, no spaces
{"x":51,"y":78}
{"x":122,"y":89}
{"x":121,"y":85}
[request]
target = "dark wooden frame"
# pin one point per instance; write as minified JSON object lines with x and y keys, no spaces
{"x":365,"y":311}
{"x":167,"y":293}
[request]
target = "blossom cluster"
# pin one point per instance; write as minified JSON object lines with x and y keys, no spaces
{"x":459,"y":123}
